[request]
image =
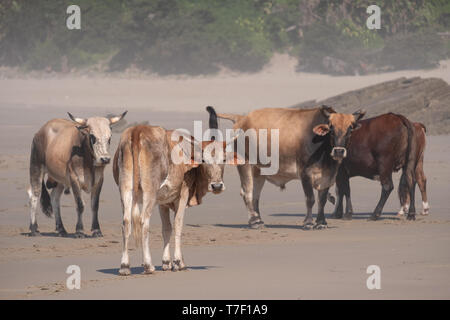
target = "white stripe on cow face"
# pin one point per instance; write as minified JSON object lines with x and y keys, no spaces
{"x":100,"y":138}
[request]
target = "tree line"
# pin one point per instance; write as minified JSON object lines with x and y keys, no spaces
{"x":201,"y":36}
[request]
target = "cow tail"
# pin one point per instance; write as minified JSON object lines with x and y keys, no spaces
{"x":135,"y":214}
{"x":46,"y":204}
{"x":407,"y":179}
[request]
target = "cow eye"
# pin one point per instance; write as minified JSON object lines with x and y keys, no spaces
{"x":92,"y":138}
{"x":109,"y":141}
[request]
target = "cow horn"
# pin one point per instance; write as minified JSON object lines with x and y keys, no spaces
{"x":77,"y":120}
{"x":116,"y":119}
{"x":359,"y":114}
{"x":326,"y":110}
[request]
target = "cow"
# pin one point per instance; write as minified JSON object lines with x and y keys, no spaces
{"x":312,"y":145}
{"x":147,"y":176}
{"x":383,"y":145}
{"x":73,"y":155}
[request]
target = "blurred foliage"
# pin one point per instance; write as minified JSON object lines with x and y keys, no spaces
{"x":201,"y":36}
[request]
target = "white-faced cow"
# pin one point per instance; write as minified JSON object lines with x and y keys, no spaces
{"x":73,"y":155}
{"x":312,"y":144}
{"x":147,"y":176}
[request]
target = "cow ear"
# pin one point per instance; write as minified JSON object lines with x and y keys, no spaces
{"x":356,"y":126}
{"x":77,"y":120}
{"x":116,"y":119}
{"x":321,"y":129}
{"x":359,"y":114}
{"x":83,"y":129}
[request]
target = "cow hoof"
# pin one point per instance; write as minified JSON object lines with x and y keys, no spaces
{"x":373,"y":217}
{"x":307,"y":225}
{"x":166,"y":265}
{"x":320,"y":226}
{"x":411,"y":217}
{"x":425,"y":212}
{"x":148,"y":269}
{"x":124,"y":270}
{"x":336,"y":216}
{"x":178,"y":265}
{"x":63,"y":233}
{"x":256,"y":225}
{"x":34,"y":233}
{"x":97,"y":234}
{"x":347,"y":217}
{"x":80,"y":235}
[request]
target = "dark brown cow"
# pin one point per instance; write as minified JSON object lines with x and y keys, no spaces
{"x":383,"y":145}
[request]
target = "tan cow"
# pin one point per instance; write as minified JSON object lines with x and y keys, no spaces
{"x":73,"y":155}
{"x":312,"y":144}
{"x":147,"y":176}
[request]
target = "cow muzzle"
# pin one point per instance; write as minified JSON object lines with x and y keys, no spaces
{"x":217,"y":187}
{"x":102,"y":161}
{"x":338,"y":153}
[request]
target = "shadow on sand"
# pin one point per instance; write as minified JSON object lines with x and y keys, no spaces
{"x":140,"y":270}
{"x":57,"y":235}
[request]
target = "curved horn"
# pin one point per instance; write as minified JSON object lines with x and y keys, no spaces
{"x":116,"y":119}
{"x":359,"y":114}
{"x":77,"y":120}
{"x":326,"y":110}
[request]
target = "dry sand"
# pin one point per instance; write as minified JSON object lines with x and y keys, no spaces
{"x":226,"y":260}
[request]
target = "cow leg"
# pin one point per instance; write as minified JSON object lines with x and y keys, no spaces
{"x":95,"y":198}
{"x":178,"y":261}
{"x":412,"y":207}
{"x":76,"y":190}
{"x":338,"y":208}
{"x":166,"y":233}
{"x":126,"y":197}
{"x":422,"y":183}
{"x":34,"y":193}
{"x":320,"y":220}
{"x":348,"y":200}
{"x":258,"y":184}
{"x":246,"y":175}
{"x":386,"y":188}
{"x":348,"y":206}
{"x":309,"y":194}
{"x":341,"y":185}
{"x":55,"y":197}
{"x":148,"y":202}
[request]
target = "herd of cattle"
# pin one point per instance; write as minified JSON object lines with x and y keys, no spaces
{"x":318,"y":146}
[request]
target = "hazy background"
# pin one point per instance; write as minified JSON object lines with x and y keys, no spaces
{"x":204,"y":36}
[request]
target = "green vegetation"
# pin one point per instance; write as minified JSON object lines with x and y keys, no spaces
{"x":201,"y":36}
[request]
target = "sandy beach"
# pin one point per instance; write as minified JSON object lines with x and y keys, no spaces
{"x":225,"y":259}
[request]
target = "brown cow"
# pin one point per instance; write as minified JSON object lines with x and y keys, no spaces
{"x":73,"y":154}
{"x":383,"y":145}
{"x":312,"y":144}
{"x":147,"y":176}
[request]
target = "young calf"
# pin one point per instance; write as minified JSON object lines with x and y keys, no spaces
{"x":147,"y":176}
